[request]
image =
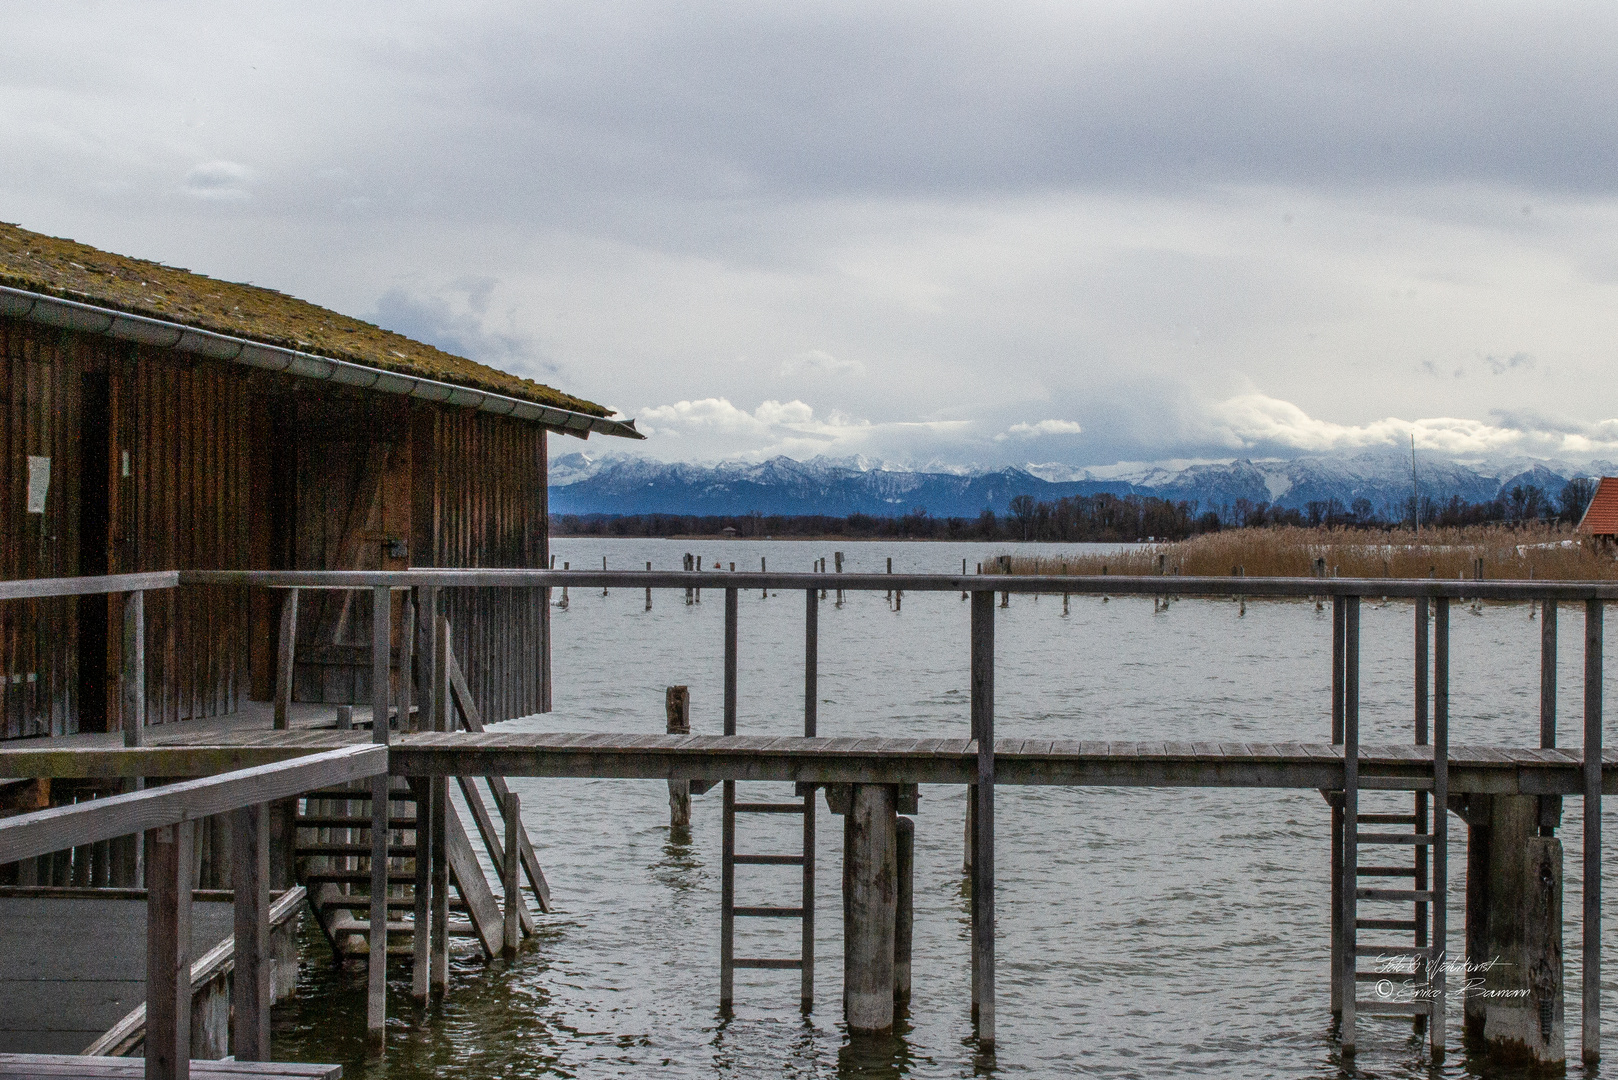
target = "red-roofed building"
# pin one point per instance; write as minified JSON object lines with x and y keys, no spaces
{"x":1601,"y":516}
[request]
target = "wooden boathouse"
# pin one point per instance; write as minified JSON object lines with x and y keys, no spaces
{"x":153,"y":419}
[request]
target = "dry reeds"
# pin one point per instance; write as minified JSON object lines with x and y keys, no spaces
{"x":1543,"y":552}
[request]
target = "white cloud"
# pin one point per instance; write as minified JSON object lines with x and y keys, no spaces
{"x":219,"y":180}
{"x":816,"y":362}
{"x":1026,"y":430}
{"x":716,"y":427}
{"x":1260,"y":421}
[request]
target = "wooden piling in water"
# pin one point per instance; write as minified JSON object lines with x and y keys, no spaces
{"x":251,"y":992}
{"x":982,"y":663}
{"x":677,"y":714}
{"x":648,"y":589}
{"x":168,"y":951}
{"x":870,"y":853}
{"x":904,"y":920}
{"x":376,"y":961}
{"x":837,"y":558}
{"x":1590,"y":1020}
{"x":511,"y":878}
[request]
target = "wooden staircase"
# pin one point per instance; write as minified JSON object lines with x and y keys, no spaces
{"x":334,"y":856}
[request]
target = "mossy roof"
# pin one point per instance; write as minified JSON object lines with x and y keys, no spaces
{"x":74,"y":271}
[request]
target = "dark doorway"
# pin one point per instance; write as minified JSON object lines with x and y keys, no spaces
{"x":95,"y":475}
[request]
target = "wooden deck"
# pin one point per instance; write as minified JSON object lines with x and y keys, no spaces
{"x":1483,"y":769}
{"x":60,"y":1066}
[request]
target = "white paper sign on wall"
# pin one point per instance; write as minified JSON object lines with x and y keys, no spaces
{"x":39,"y":483}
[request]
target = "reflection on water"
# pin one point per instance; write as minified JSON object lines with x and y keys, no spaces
{"x":1142,"y":933}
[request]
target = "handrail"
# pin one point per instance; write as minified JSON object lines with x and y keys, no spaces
{"x":39,"y":588}
{"x":1076,"y":584}
{"x":61,"y":827}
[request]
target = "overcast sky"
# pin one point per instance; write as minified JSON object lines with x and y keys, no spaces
{"x":990,"y":233}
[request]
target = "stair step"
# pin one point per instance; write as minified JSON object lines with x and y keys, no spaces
{"x":768,"y":912}
{"x":1392,"y":1008}
{"x":1387,"y":871}
{"x":1388,"y":819}
{"x":457,"y":928}
{"x":780,"y":965}
{"x":1424,"y":951}
{"x":1385,"y":924}
{"x":395,"y":851}
{"x":1409,"y":839}
{"x":1395,"y":895}
{"x":359,"y":877}
{"x":769,"y":808}
{"x":319,"y":821}
{"x":361,"y":902}
{"x":767,"y":860}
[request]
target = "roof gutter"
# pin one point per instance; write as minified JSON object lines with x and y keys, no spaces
{"x":89,"y":318}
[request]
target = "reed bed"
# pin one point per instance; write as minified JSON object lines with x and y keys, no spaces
{"x":1542,"y":552}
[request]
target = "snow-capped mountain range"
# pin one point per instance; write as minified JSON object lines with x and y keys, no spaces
{"x":842,"y":486}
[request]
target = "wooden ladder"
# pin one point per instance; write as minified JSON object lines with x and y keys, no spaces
{"x":1419,"y":989}
{"x":802,"y":806}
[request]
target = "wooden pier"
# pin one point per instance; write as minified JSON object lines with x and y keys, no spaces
{"x":1487,"y":786}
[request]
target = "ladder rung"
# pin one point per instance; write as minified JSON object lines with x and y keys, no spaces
{"x":327,"y":822}
{"x":1410,"y":839}
{"x":745,"y":962}
{"x":1390,"y":895}
{"x":1384,"y":924}
{"x":1392,"y":1008}
{"x":1388,"y":819}
{"x":1387,"y":871}
{"x":768,"y":912}
{"x":1423,"y":951}
{"x":395,"y":851}
{"x":767,"y":860}
{"x":769,"y":808}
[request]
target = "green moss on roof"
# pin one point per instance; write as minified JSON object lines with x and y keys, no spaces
{"x":74,"y":271}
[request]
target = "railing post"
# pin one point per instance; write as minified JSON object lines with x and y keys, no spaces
{"x":285,"y":657}
{"x":376,"y":1005}
{"x":727,"y":877}
{"x":132,"y":712}
{"x":251,"y":993}
{"x":168,"y":951}
{"x":811,"y":699}
{"x":1438,"y":978}
{"x":1591,"y":1011}
{"x":983,"y":822}
{"x":1350,"y":672}
{"x":511,"y":877}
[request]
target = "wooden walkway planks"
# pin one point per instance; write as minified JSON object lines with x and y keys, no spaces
{"x":19,"y":1066}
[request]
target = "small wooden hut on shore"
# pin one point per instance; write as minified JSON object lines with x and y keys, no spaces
{"x":156,"y":419}
{"x":1600,"y":519}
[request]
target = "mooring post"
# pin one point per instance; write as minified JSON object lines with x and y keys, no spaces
{"x":511,"y":877}
{"x":983,"y":824}
{"x":285,"y":656}
{"x":251,"y":992}
{"x":648,"y":589}
{"x":1590,"y":1043}
{"x":169,"y":854}
{"x":904,"y":920}
{"x":870,"y":852}
{"x":677,"y":718}
{"x":376,"y":1000}
{"x":837,"y":559}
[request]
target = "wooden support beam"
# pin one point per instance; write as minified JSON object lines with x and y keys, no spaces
{"x":169,"y":853}
{"x":438,"y":675}
{"x":376,"y":998}
{"x":1350,"y":696}
{"x":1439,"y":980}
{"x":421,"y":927}
{"x":251,"y":991}
{"x":904,"y":919}
{"x":870,"y":853}
{"x":982,"y":708}
{"x":677,"y":716}
{"x":1590,"y":1043}
{"x":511,"y":879}
{"x":285,"y":656}
{"x":133,"y":682}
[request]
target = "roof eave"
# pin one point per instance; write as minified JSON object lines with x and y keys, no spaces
{"x":159,"y":333}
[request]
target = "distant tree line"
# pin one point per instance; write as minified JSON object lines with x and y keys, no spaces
{"x":1097,"y":518}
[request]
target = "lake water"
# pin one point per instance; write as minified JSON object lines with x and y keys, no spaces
{"x":1141,"y":933}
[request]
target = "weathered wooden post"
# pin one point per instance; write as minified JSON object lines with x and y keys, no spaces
{"x":648,"y":589}
{"x":727,"y":877}
{"x":763,"y":568}
{"x":132,"y":710}
{"x":376,"y":1011}
{"x":251,"y":992}
{"x":811,"y":720}
{"x":904,"y":916}
{"x":511,"y":878}
{"x":603,"y":570}
{"x":1514,"y":934}
{"x":407,"y":663}
{"x":1337,"y":901}
{"x":169,"y":853}
{"x":439,"y":676}
{"x":982,"y":660}
{"x":837,"y":559}
{"x":890,"y":571}
{"x":285,"y":657}
{"x":870,"y":891}
{"x":677,"y":711}
{"x":687,"y":566}
{"x":421,"y":925}
{"x":1590,"y":1039}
